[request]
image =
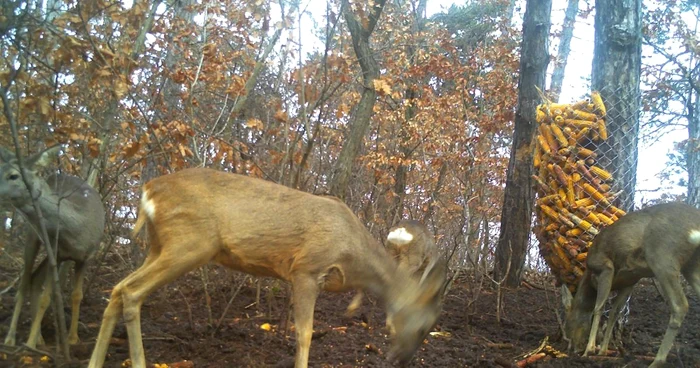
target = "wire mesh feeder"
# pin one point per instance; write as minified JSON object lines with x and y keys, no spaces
{"x":576,"y":196}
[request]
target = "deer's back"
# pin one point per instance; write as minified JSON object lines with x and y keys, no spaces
{"x":658,"y":233}
{"x":258,"y":226}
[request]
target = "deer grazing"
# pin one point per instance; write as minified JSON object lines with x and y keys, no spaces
{"x":74,"y":218}
{"x":661,"y":241}
{"x":412,"y":245}
{"x":196,"y":216}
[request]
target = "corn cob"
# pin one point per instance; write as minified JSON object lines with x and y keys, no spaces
{"x":546,"y":132}
{"x":581,"y":123}
{"x":598,"y":105}
{"x":543,"y":144}
{"x":602,"y":130}
{"x":559,"y":135}
{"x":583,"y":115}
{"x":602,"y":174}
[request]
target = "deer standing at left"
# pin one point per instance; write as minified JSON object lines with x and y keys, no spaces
{"x":75,"y":220}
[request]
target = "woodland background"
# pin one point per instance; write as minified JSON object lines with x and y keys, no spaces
{"x":398,"y":113}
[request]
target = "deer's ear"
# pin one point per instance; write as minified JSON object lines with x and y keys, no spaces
{"x":44,"y":158}
{"x":6,"y":155}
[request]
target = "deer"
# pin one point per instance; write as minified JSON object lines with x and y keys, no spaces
{"x":199,"y":215}
{"x":412,"y":245}
{"x":660,"y":241}
{"x":74,"y":218}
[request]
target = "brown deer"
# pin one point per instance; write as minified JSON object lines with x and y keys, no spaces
{"x":659,"y":241}
{"x":412,"y":245}
{"x":74,"y":218}
{"x":196,"y":216}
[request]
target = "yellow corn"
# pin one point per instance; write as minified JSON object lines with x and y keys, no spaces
{"x":577,"y":271}
{"x":543,"y":144}
{"x":561,"y":240}
{"x":584,"y":202}
{"x":583,"y":224}
{"x":566,"y":263}
{"x":537,"y":157}
{"x":580,"y":105}
{"x":602,"y":130}
{"x":549,"y":212}
{"x":576,"y":177}
{"x":574,"y":232}
{"x":585,"y":152}
{"x":570,"y":195}
{"x":616,"y":211}
{"x":597,"y":171}
{"x":598,"y":103}
{"x":592,"y":218}
{"x":546,"y":132}
{"x":560,"y":175}
{"x":581,"y":123}
{"x":540,"y":116}
{"x":595,"y":194}
{"x":581,"y":257}
{"x":583,"y":115}
{"x":604,"y":219}
{"x":549,"y":199}
{"x":562,"y":197}
{"x":581,"y":134}
{"x":559,"y":135}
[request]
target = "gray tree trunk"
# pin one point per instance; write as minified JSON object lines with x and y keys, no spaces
{"x":617,"y":57}
{"x":567,"y":33}
{"x":516,"y":217}
{"x":363,"y":112}
{"x":693,"y":149}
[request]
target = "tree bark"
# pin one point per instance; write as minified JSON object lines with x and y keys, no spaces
{"x":617,"y":57}
{"x":363,"y":112}
{"x":567,"y":33}
{"x":693,"y":150}
{"x":517,"y":204}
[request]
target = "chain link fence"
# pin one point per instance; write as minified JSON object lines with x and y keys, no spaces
{"x":585,"y":157}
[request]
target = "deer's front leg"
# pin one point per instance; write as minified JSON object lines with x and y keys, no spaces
{"x":604,"y":284}
{"x":29,"y":255}
{"x":305,"y":291}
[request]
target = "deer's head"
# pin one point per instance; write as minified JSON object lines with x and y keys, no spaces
{"x":416,"y":311}
{"x":579,"y":312}
{"x":12,"y":187}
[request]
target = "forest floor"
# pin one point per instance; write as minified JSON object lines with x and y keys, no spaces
{"x":176,"y":329}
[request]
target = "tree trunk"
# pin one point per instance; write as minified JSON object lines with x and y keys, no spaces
{"x":405,"y":142}
{"x":363,"y":112}
{"x":617,"y":64}
{"x":693,"y":151}
{"x":567,"y":33}
{"x":517,"y":203}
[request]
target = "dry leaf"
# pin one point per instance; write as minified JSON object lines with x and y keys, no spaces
{"x":255,"y":124}
{"x":382,"y":87}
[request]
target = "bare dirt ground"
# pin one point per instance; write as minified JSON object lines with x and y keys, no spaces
{"x":175,"y":328}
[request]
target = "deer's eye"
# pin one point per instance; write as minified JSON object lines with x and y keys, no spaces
{"x":13,"y":176}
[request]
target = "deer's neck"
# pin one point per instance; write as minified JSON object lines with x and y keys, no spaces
{"x":55,"y":210}
{"x":380,"y":274}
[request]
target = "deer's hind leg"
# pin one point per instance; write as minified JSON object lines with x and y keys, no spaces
{"x":76,"y":299}
{"x":669,"y":279}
